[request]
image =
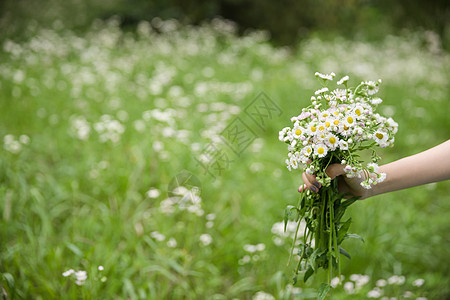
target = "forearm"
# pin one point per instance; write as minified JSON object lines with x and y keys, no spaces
{"x":429,"y":166}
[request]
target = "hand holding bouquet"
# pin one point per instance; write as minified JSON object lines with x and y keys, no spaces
{"x":333,"y":129}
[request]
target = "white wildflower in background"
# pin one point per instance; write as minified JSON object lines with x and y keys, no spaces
{"x":263,"y":296}
{"x":206,"y":239}
{"x":336,"y":281}
{"x":245,"y":260}
{"x":381,"y":283}
{"x":395,"y":279}
{"x":109,"y":129}
{"x":11,"y":144}
{"x":375,"y":293}
{"x":24,"y":139}
{"x":171,"y":243}
{"x":68,"y":272}
{"x":211,"y":217}
{"x":153,"y":193}
{"x":418,"y":282}
{"x":349,"y":287}
{"x":158,"y":236}
{"x":80,"y":127}
{"x":100,"y":268}
{"x":254,"y":248}
{"x":407,"y":294}
{"x":183,"y":199}
{"x":81,"y":277}
{"x":139,"y":125}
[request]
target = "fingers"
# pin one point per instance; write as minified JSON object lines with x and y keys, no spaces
{"x":302,"y":188}
{"x":310,"y":183}
{"x":335,"y":170}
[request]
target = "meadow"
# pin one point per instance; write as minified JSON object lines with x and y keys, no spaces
{"x":105,"y":164}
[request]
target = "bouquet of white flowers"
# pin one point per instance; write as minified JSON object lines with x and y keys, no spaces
{"x":333,"y":129}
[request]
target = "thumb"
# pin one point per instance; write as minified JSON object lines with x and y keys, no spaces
{"x":335,"y":170}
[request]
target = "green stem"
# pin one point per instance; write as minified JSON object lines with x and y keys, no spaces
{"x":330,"y":238}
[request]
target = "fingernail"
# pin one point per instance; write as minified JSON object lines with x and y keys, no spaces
{"x":316,"y":184}
{"x":314,"y":189}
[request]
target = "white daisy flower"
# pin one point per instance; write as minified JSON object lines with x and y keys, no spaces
{"x":344,"y":130}
{"x":298,"y":131}
{"x":358,"y":111}
{"x":335,"y":121}
{"x":312,"y":129}
{"x":321,"y":127}
{"x":323,"y":115}
{"x":376,"y":101}
{"x":380,"y":137}
{"x":332,"y":141}
{"x":293,"y":162}
{"x":381,"y":177}
{"x":372,"y":87}
{"x":328,"y":123}
{"x":325,"y":76}
{"x":282,"y":134}
{"x":373,"y":167}
{"x":365,"y":185}
{"x":307,"y":151}
{"x":349,"y":120}
{"x":288,"y":164}
{"x":343,"y":145}
{"x":343,"y":80}
{"x":320,"y":150}
{"x":321,"y":91}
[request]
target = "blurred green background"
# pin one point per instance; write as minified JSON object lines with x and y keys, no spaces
{"x":107,"y":106}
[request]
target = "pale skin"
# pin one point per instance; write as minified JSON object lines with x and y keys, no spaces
{"x":429,"y":166}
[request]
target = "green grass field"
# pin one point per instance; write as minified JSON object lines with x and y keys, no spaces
{"x":99,"y":128}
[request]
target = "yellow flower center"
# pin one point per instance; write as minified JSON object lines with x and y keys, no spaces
{"x":325,"y":115}
{"x":350,"y":120}
{"x":298,"y":132}
{"x":336,"y":113}
{"x":332,"y":140}
{"x":336,"y":122}
{"x":308,"y":150}
{"x":358,"y":112}
{"x":294,"y":162}
{"x":379,"y":135}
{"x":327,"y":124}
{"x":320,"y":150}
{"x":346,"y":128}
{"x":321,"y":128}
{"x":313,"y":129}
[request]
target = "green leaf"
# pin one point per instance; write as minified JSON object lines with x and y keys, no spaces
{"x":339,"y":210}
{"x":323,"y":290}
{"x":287,"y":215}
{"x":345,"y":253}
{"x":312,"y":259}
{"x":9,"y":280}
{"x":308,"y":274}
{"x":74,"y":249}
{"x":343,"y":230}
{"x":354,"y":236}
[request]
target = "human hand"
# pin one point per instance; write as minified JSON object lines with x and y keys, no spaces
{"x":345,"y":184}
